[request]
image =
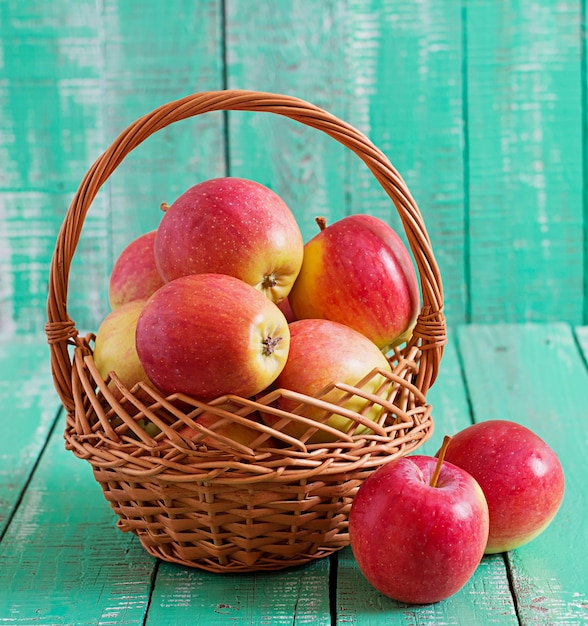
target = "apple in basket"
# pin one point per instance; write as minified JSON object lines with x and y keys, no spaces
{"x":134,"y":275}
{"x":114,"y":347}
{"x":520,"y":475}
{"x":358,"y":272}
{"x":223,"y":432}
{"x":231,"y":226}
{"x":207,"y":335}
{"x":321,"y":353}
{"x":418,"y":527}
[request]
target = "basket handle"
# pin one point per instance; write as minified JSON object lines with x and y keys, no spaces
{"x":430,"y":329}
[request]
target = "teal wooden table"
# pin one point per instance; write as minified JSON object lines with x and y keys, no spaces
{"x":63,"y":561}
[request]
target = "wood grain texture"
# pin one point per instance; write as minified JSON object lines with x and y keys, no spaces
{"x":151,"y":59}
{"x":480,"y":105}
{"x":62,"y":559}
{"x":291,"y":597}
{"x":486,"y":598}
{"x":292,"y":48}
{"x":50,"y":99}
{"x":29,"y":409}
{"x":535,"y":375}
{"x":524,"y":121}
{"x":405,"y":88}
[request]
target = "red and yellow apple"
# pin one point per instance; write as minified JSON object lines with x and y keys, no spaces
{"x":286,"y":309}
{"x":416,"y":540}
{"x":207,"y":335}
{"x":231,"y":226}
{"x":134,"y":275}
{"x":114,"y":348}
{"x":321,"y":353}
{"x":520,"y":475}
{"x":358,"y":272}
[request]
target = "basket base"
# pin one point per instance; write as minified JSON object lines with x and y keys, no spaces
{"x":241,"y":561}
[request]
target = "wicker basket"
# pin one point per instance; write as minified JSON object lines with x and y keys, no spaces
{"x":207,"y":501}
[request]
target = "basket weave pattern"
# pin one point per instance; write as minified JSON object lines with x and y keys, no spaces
{"x":207,"y":501}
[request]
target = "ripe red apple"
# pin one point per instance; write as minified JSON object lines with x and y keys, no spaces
{"x":114,"y":348}
{"x":231,"y":226}
{"x":134,"y":275}
{"x":207,"y":335}
{"x":286,"y":309}
{"x":520,"y":475}
{"x":416,"y":540}
{"x":358,"y":272}
{"x":323,"y":352}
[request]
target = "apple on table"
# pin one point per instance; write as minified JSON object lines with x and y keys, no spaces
{"x":520,"y":475}
{"x":231,"y":226}
{"x":418,"y":527}
{"x":358,"y":272}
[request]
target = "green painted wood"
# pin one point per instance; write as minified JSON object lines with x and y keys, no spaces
{"x":351,"y":60}
{"x":291,"y":597}
{"x":479,"y":106}
{"x":524,"y":128}
{"x":29,"y":409}
{"x":151,"y":59}
{"x":297,"y":49}
{"x":582,"y":338}
{"x":535,"y":375}
{"x":62,"y":559}
{"x":486,"y":598}
{"x":405,"y":88}
{"x":50,"y":102}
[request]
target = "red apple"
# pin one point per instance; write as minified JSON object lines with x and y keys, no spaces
{"x":207,"y":335}
{"x":358,"y":272}
{"x":114,"y":349}
{"x":321,"y":353}
{"x":134,"y":275}
{"x":416,"y":540}
{"x":231,"y":226}
{"x":520,"y":475}
{"x":286,"y":309}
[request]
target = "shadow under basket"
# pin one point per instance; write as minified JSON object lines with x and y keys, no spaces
{"x":190,"y":491}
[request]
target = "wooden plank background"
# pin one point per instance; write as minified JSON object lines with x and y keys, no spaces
{"x":481,"y":105}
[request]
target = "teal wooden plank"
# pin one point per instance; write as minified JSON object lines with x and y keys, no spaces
{"x":62,"y":559}
{"x":486,"y":598}
{"x":404,"y":82}
{"x":150,"y":59}
{"x":582,"y":338}
{"x":525,"y":119}
{"x":290,"y":597}
{"x":29,"y":409}
{"x":535,"y":375}
{"x":297,"y":49}
{"x":49,"y":132}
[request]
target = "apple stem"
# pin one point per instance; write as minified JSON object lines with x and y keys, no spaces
{"x":435,"y":476}
{"x":164,"y":206}
{"x":269,"y":281}
{"x":321,"y":220}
